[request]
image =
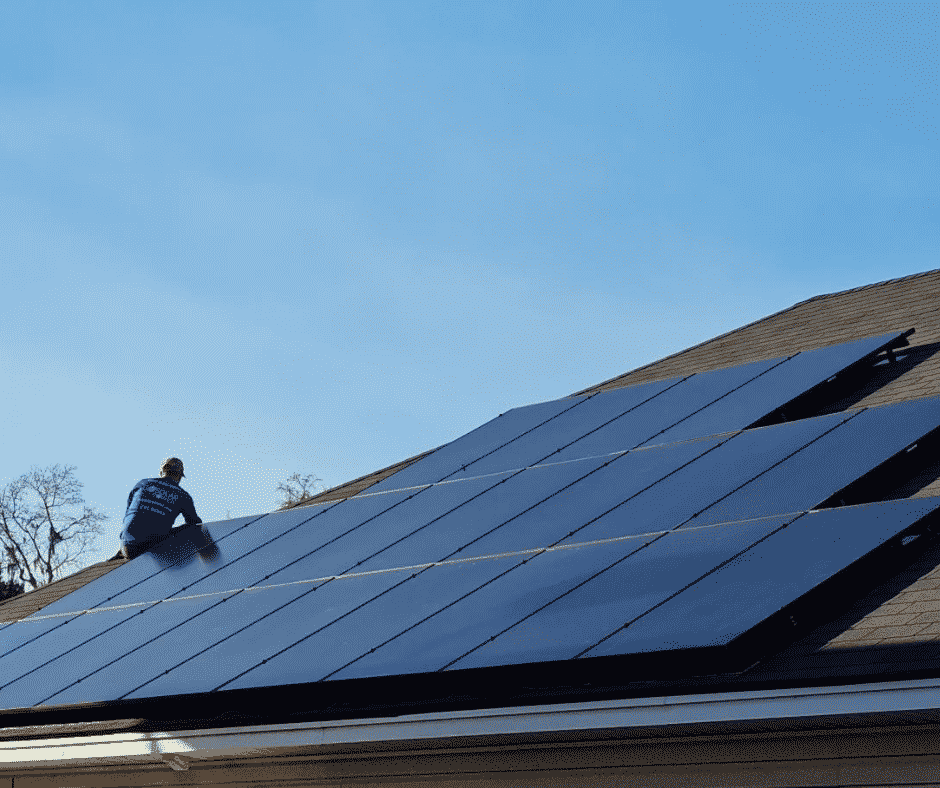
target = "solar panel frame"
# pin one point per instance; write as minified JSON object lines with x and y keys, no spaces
{"x":863,"y":442}
{"x":780,"y":384}
{"x":692,"y":489}
{"x":624,"y":417}
{"x":456,"y":637}
{"x":698,"y":617}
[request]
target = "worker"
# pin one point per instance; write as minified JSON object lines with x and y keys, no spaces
{"x":152,"y":506}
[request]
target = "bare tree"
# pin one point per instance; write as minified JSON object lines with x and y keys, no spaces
{"x":45,"y":527}
{"x":298,"y":489}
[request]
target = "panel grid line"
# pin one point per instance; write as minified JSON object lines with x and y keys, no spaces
{"x":779,"y":462}
{"x":652,"y":541}
{"x":317,"y":631}
{"x":47,"y":631}
{"x":121,"y":656}
{"x":427,"y":565}
{"x":591,"y":396}
{"x":726,"y":394}
{"x":576,"y":481}
{"x":436,"y":612}
{"x":689,"y":585}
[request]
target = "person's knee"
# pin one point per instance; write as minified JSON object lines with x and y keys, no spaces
{"x":132,"y":550}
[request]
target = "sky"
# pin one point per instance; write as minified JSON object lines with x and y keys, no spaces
{"x":322,"y":237}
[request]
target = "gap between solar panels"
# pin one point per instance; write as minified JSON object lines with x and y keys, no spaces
{"x":428,"y":565}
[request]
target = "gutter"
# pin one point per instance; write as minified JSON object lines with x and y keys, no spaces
{"x":179,"y":748}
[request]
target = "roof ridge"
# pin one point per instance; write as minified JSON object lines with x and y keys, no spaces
{"x":868,"y":286}
{"x":686,"y":350}
{"x":598,"y":386}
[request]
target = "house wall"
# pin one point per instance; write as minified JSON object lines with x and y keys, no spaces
{"x":872,"y":756}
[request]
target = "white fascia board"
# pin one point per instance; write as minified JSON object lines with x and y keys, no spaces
{"x":179,"y":747}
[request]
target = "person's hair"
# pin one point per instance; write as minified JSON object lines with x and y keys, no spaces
{"x":172,"y":466}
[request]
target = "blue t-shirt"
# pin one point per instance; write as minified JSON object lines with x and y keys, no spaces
{"x":152,"y":506}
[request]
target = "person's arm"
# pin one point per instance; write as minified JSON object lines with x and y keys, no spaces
{"x":189,"y":511}
{"x":130,"y":495}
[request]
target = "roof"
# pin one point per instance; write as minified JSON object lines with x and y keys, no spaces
{"x":893,"y":628}
{"x":25,"y":604}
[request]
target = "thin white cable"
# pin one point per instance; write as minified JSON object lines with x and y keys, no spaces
{"x":529,"y":467}
{"x":411,"y":568}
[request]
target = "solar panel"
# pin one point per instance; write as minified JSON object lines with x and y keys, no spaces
{"x":665,"y":411}
{"x":711,"y":478}
{"x":539,"y":505}
{"x":772,"y":574}
{"x":245,"y":549}
{"x":13,"y":636}
{"x":363,"y":527}
{"x":39,"y":670}
{"x":501,"y":498}
{"x":351,"y":532}
{"x":826,"y":466}
{"x":499,"y":610}
{"x":570,"y":597}
{"x":317,"y":646}
{"x":515,"y":428}
{"x":153,"y":567}
{"x":459,"y":585}
{"x":320,"y":604}
{"x":624,"y":420}
{"x":104,"y":659}
{"x":351,"y":537}
{"x":776,"y":387}
{"x":241,"y":547}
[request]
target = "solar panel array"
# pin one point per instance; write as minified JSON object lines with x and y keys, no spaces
{"x":636,"y":520}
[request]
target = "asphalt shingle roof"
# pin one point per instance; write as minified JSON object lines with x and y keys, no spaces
{"x":26,"y":604}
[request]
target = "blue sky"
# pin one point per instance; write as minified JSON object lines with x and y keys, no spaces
{"x":325,"y":236}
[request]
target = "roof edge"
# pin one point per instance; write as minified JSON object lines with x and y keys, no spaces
{"x":666,"y":713}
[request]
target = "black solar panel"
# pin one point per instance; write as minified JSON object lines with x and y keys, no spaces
{"x":514,"y":440}
{"x":692,"y":489}
{"x":770,"y":575}
{"x":773,"y":389}
{"x":400,"y":529}
{"x":829,"y":464}
{"x":620,"y":419}
{"x":577,"y":432}
{"x":560,"y":603}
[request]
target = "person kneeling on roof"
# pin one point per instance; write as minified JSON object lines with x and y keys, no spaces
{"x":152,"y":506}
